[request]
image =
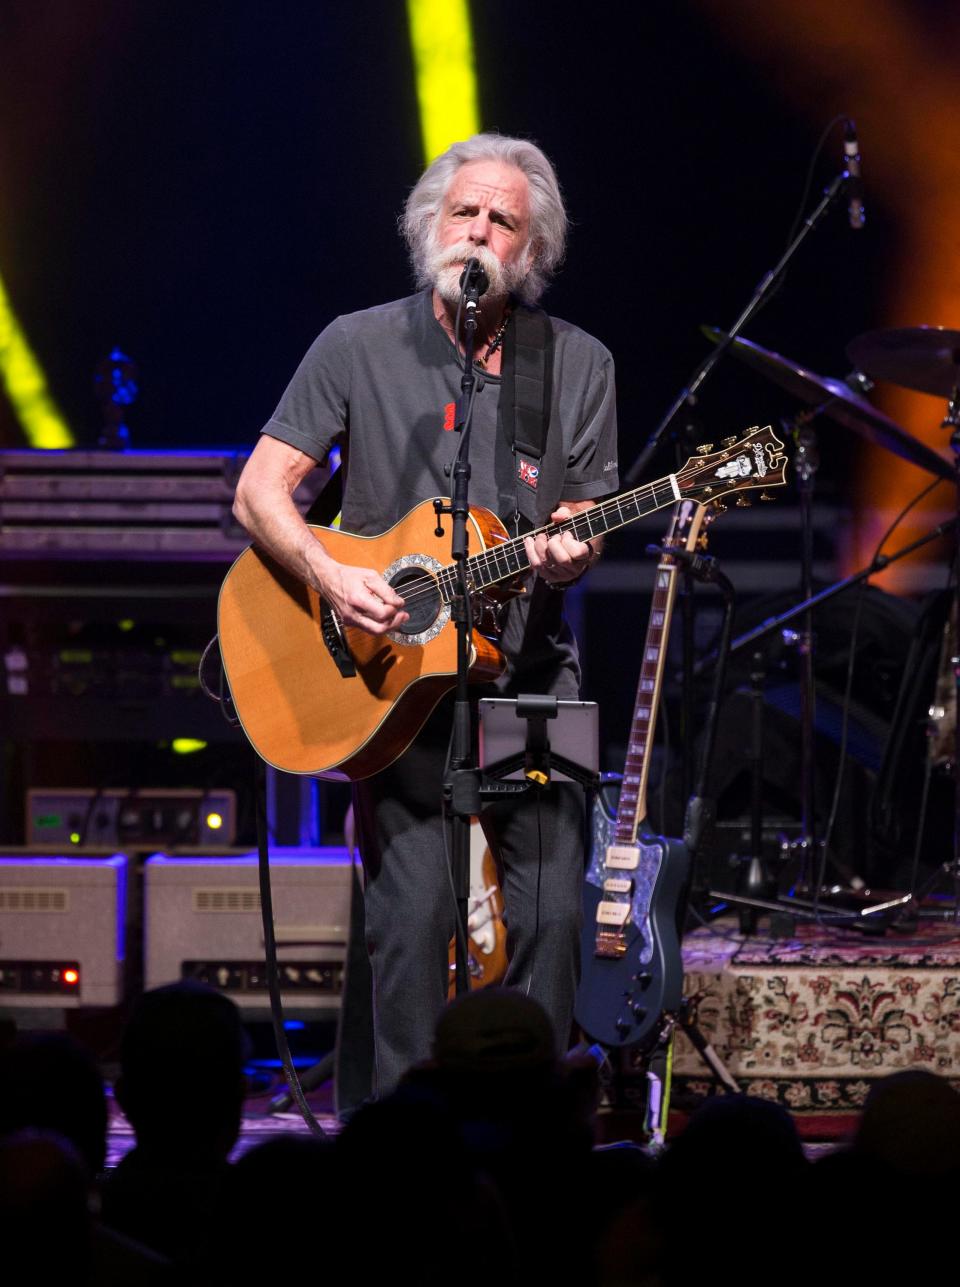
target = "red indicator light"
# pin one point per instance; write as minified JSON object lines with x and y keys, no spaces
{"x":71,"y":976}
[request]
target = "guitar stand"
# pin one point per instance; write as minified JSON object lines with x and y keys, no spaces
{"x":658,"y":1060}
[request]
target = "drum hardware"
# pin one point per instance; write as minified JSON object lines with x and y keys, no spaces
{"x":924,"y":358}
{"x":804,"y":907}
{"x":841,"y":400}
{"x":927,"y":359}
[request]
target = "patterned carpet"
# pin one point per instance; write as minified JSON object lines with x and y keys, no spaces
{"x":812,"y":1020}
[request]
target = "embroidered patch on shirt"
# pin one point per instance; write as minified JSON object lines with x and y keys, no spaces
{"x":528,"y":473}
{"x":449,"y":416}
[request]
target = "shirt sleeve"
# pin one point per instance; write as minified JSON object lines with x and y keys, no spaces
{"x":312,"y":415}
{"x":592,"y":469}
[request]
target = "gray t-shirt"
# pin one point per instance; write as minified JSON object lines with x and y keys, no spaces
{"x":384,"y":381}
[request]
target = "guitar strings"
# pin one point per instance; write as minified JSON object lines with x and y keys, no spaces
{"x":661,"y":493}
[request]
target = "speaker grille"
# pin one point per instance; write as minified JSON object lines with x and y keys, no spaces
{"x":34,"y":898}
{"x":226,"y":900}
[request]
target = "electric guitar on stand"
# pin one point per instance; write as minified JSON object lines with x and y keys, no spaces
{"x":632,"y":971}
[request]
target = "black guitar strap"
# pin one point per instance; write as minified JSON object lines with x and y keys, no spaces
{"x":526,"y":391}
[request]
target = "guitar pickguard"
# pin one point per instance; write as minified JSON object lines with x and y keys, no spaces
{"x":643,"y":877}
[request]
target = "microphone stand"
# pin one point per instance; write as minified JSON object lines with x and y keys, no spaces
{"x":461,"y":786}
{"x":688,"y":395}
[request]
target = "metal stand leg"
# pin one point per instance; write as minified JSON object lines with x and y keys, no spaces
{"x":704,"y":1049}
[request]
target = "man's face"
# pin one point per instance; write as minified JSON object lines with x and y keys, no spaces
{"x":485,"y":214}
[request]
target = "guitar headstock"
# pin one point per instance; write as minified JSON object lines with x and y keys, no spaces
{"x":755,"y":460}
{"x":685,"y":532}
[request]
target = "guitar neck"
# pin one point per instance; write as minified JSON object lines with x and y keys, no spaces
{"x":500,"y":562}
{"x":632,"y":805}
{"x":757,"y":460}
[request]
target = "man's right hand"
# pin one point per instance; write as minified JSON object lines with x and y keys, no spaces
{"x":362,"y":598}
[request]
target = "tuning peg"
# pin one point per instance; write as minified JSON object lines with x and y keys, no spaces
{"x":743,"y":502}
{"x":765,"y":496}
{"x":729,"y":441}
{"x":717,"y":507}
{"x":705,"y":448}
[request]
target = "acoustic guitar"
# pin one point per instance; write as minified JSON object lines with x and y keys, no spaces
{"x":631,"y":968}
{"x":329,"y":701}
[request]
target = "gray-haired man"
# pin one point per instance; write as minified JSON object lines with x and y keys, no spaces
{"x":384,"y":382}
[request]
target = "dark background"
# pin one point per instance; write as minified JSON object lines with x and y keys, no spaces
{"x":207,"y":185}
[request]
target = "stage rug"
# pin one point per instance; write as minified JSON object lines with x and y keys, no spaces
{"x":813,"y":1020}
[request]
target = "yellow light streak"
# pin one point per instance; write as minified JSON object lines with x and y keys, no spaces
{"x":446,"y":78}
{"x":25,"y":384}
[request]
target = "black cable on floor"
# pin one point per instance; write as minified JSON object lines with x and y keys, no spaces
{"x":270,"y":952}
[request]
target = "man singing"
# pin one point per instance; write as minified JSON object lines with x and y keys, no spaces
{"x":383,"y":383}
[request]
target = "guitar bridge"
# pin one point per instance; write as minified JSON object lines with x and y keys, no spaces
{"x":610,"y":944}
{"x":335,"y":640}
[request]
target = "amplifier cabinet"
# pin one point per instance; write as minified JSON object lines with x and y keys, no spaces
{"x":62,"y":925}
{"x":202,"y":920}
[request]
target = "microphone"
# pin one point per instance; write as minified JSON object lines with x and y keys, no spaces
{"x":851,"y":161}
{"x":473,"y":282}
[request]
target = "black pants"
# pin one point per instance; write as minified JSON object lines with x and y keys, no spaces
{"x":537,"y":839}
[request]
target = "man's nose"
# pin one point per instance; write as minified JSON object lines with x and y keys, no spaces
{"x":479,"y":231}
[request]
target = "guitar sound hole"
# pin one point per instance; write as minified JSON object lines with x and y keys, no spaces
{"x":422,"y":602}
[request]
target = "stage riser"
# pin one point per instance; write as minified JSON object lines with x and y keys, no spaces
{"x":813,"y":1022}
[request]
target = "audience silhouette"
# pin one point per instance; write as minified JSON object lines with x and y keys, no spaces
{"x":181,"y":1086}
{"x":481,"y":1166}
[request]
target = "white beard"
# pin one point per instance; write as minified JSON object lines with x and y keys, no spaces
{"x":445,"y":268}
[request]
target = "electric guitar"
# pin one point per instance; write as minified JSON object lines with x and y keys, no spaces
{"x":330,"y":701}
{"x":631,"y":969}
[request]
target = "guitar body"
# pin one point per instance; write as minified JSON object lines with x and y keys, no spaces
{"x":621,"y":1000}
{"x":487,"y":944}
{"x":299,"y":712}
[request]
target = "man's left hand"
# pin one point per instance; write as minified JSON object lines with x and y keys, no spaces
{"x":562,"y":558}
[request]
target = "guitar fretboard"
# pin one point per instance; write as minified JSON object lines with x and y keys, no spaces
{"x":500,"y":562}
{"x":632,"y":806}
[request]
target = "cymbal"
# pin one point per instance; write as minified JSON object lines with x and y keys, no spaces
{"x":840,"y":403}
{"x":926,"y":358}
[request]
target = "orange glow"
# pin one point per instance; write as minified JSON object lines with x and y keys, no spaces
{"x":71,"y":976}
{"x":874,"y":59}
